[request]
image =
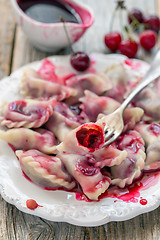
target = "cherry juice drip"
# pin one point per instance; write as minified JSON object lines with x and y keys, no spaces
{"x":48,"y":11}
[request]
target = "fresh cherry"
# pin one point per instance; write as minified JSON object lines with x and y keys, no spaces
{"x":128,"y":47}
{"x":135,"y":13}
{"x":112,"y":40}
{"x":80,"y":61}
{"x":148,"y":39}
{"x":152,"y":22}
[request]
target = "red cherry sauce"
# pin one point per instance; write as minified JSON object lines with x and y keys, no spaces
{"x":129,"y":193}
{"x":155,"y":129}
{"x":86,"y":169}
{"x":11,"y":146}
{"x":90,"y":136}
{"x":134,"y":143}
{"x":86,"y":165}
{"x":47,"y":71}
{"x":17,"y":106}
{"x":32,"y":204}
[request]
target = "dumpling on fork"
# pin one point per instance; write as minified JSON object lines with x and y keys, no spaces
{"x":88,"y":137}
{"x":44,"y":170}
{"x":26,"y":139}
{"x":26,"y":113}
{"x":90,"y":178}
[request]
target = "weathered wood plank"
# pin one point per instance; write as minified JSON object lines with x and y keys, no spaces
{"x":7,"y":31}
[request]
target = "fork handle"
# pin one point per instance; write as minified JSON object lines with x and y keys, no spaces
{"x":150,"y":76}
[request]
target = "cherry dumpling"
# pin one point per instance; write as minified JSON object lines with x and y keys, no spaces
{"x":33,"y":86}
{"x":90,"y":178}
{"x":151,"y":136}
{"x":133,"y":164}
{"x":26,"y":113}
{"x":26,"y":139}
{"x":44,"y":170}
{"x":95,"y":82}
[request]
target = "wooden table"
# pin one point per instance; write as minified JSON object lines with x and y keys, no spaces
{"x":15,"y":51}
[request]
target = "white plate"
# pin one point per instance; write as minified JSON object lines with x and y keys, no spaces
{"x":59,"y":205}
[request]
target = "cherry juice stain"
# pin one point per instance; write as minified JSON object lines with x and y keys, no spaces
{"x":32,"y":204}
{"x":48,"y":11}
{"x":130,"y":193}
{"x":143,"y":201}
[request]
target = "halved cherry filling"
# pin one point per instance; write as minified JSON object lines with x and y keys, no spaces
{"x":155,"y":128}
{"x":90,"y":136}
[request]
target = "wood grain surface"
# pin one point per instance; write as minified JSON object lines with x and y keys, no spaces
{"x":15,"y":51}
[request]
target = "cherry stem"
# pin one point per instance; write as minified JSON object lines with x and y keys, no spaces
{"x":66,"y":32}
{"x":120,"y":5}
{"x":121,"y":20}
{"x":112,"y":20}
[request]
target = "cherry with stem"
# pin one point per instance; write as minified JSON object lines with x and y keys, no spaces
{"x":80,"y":61}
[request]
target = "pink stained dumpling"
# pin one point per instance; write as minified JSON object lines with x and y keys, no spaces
{"x":26,"y":113}
{"x":92,"y":105}
{"x":26,"y":139}
{"x":44,"y":170}
{"x":149,"y":101}
{"x":95,"y":82}
{"x":133,"y":164}
{"x":90,"y":178}
{"x":151,"y":136}
{"x":33,"y":86}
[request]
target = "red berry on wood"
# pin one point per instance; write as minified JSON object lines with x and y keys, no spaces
{"x":128,"y":47}
{"x":112,"y":40}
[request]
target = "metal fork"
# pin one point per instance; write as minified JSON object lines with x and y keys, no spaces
{"x":114,"y":121}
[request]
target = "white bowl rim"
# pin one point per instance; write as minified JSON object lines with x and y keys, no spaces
{"x":41,"y":24}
